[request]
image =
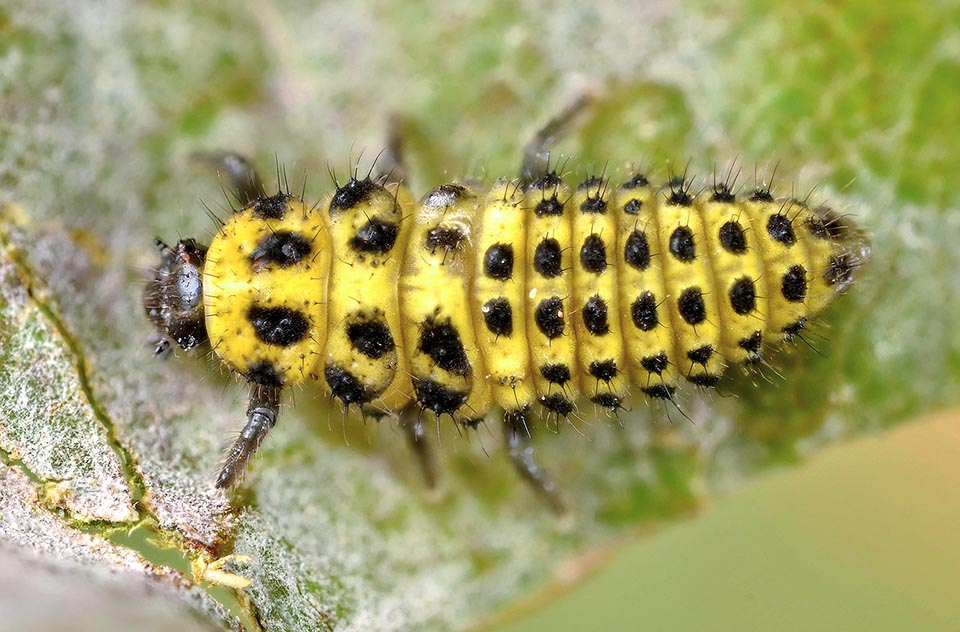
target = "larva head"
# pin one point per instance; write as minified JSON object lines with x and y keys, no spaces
{"x":173,"y":298}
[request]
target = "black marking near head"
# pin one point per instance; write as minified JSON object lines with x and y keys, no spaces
{"x":701,"y":355}
{"x":839,"y":271}
{"x":273,"y":207}
{"x":375,"y":236}
{"x":707,"y":380}
{"x":761,"y":195}
{"x":817,"y":228}
{"x":680,"y":192}
{"x":659,"y":391}
{"x":636,"y":181}
{"x":780,"y":229}
{"x":345,"y":386}
{"x":557,"y":403}
{"x":547,"y":207}
{"x":264,"y":374}
{"x":593,"y":254}
{"x":655,"y":363}
{"x":441,"y":341}
{"x":498,"y":316}
{"x":354,"y":192}
{"x":498,"y":262}
{"x":636,"y":252}
{"x":371,"y":338}
{"x":595,"y":316}
{"x":794,"y":284}
{"x":446,"y":237}
{"x":555,"y":373}
{"x":282,"y":249}
{"x":549,"y":317}
{"x":682,"y":245}
{"x":546,"y":181}
{"x":603,"y":370}
{"x":691,"y":307}
{"x":643,"y":311}
{"x":722,"y":193}
{"x":633,"y":207}
{"x":439,"y":398}
{"x":743,"y":296}
{"x":547,"y":259}
{"x":280,"y":326}
{"x":173,"y":296}
{"x":732,"y":238}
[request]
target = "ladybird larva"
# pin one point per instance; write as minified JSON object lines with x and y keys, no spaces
{"x":530,"y":296}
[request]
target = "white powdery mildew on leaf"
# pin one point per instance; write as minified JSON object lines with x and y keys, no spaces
{"x":48,"y":423}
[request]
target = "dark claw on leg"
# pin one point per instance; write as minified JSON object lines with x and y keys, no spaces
{"x":416,"y":436}
{"x":261,"y":417}
{"x":390,"y":166}
{"x":243,"y":177}
{"x":536,"y":154}
{"x":521,"y":451}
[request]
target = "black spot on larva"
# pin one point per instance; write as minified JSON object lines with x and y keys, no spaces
{"x":817,"y":228}
{"x":794,"y":284}
{"x":550,"y":206}
{"x":840,"y":270}
{"x":375,"y":236}
{"x":679,"y":193}
{"x":555,"y":373}
{"x":743,"y":296}
{"x":595,"y":205}
{"x":682,"y":245}
{"x":761,"y":195}
{"x":590,"y":183}
{"x":441,"y":341}
{"x":546,"y":181}
{"x":439,"y":398}
{"x":278,"y":326}
{"x":659,"y":391}
{"x":707,"y":380}
{"x":352,"y":193}
{"x":371,"y":338}
{"x":833,"y":223}
{"x":636,"y":252}
{"x":607,"y":400}
{"x":604,"y":370}
{"x":691,"y":307}
{"x":595,"y":316}
{"x":557,"y":403}
{"x":446,"y":237}
{"x":732,"y":238}
{"x":753,"y":344}
{"x":345,"y":386}
{"x":498,"y":316}
{"x":780,"y":229}
{"x":281,"y":248}
{"x":593,"y":254}
{"x":636,"y":181}
{"x":272,"y":207}
{"x":701,"y":355}
{"x":655,"y":363}
{"x":722,"y":193}
{"x":549,"y":317}
{"x":498,"y":262}
{"x":264,"y":373}
{"x":644,"y":312}
{"x":794,"y":329}
{"x":547,"y":258}
{"x":633,"y":207}
{"x":444,"y":195}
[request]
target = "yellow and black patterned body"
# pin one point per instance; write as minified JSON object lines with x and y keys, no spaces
{"x":527,"y":298}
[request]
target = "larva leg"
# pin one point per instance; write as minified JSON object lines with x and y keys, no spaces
{"x":243,"y":177}
{"x":390,"y":167}
{"x":261,"y":417}
{"x":519,"y":442}
{"x":412,"y":425}
{"x":536,"y":153}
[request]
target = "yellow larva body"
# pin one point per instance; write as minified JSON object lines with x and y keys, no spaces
{"x":517,"y":298}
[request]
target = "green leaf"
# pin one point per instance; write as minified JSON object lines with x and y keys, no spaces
{"x":108,"y":455}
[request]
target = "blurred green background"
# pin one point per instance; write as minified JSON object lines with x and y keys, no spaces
{"x":855,"y":103}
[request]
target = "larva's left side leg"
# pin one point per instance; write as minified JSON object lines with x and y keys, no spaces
{"x":244,"y":180}
{"x":536,"y":153}
{"x":261,"y":417}
{"x":413,"y":429}
{"x":518,"y":437}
